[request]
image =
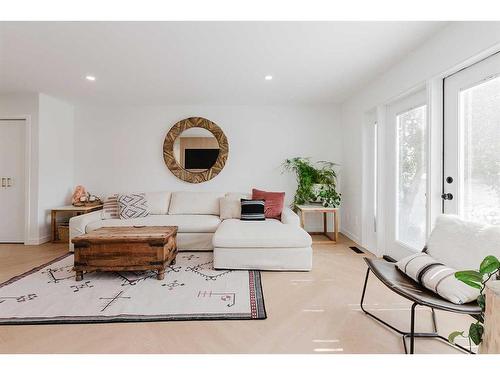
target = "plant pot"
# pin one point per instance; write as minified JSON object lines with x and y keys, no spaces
{"x":316,"y":189}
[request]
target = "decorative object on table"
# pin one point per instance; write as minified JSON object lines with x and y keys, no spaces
{"x":273,"y":202}
{"x":195,"y":150}
{"x":82,"y":198}
{"x":125,"y":249}
{"x":316,"y":182}
{"x":304,"y":209}
{"x":252,"y":210}
{"x":478,"y":279}
{"x":191,"y":290}
{"x":79,"y":194}
{"x":60,"y":230}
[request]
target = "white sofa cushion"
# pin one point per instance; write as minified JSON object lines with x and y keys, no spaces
{"x":230,"y":205}
{"x":202,"y":203}
{"x":437,"y":277}
{"x":186,"y":223}
{"x":235,"y":233}
{"x":230,"y":208}
{"x":158,"y":202}
{"x":462,"y":245}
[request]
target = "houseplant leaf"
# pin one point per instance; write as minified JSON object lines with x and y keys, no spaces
{"x":476,"y":333}
{"x":471,"y":278}
{"x":454,"y":335}
{"x":489,"y":265}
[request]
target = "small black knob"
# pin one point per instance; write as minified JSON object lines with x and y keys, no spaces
{"x":449,"y":179}
{"x":447,"y":196}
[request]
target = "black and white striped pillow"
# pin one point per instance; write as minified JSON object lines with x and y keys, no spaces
{"x":437,"y":277}
{"x":252,"y":210}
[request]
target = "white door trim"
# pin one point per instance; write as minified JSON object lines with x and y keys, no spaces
{"x":28,"y":199}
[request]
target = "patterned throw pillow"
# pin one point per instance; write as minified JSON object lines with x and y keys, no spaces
{"x":132,"y":206}
{"x":437,"y":277}
{"x":110,"y":208}
{"x":252,"y":210}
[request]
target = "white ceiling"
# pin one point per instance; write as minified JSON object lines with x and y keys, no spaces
{"x":202,"y":62}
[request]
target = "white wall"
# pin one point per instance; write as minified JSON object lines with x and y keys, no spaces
{"x":52,"y":154}
{"x":15,"y":105}
{"x":120,"y":148}
{"x":56,"y":158}
{"x":454,"y":45}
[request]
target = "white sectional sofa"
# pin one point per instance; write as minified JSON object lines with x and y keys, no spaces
{"x":263,"y":245}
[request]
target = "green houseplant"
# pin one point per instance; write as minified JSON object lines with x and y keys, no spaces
{"x":477,"y":279}
{"x":316,"y":182}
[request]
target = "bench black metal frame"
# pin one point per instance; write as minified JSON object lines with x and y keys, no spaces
{"x":401,"y":284}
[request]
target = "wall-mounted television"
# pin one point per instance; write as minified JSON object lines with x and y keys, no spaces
{"x":200,"y":158}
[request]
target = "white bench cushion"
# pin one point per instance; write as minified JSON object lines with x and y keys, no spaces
{"x":462,"y":245}
{"x":186,"y":223}
{"x":187,"y":203}
{"x":234,"y":233}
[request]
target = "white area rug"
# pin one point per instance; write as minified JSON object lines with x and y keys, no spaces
{"x":191,"y":290}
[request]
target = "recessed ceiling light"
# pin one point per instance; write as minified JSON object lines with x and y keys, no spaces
{"x":90,"y":78}
{"x":268,"y":77}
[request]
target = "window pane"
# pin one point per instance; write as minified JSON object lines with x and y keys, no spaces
{"x":480,"y":134}
{"x":411,"y":178}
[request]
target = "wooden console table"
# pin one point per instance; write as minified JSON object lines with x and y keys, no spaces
{"x":316,"y":208}
{"x":73,"y":210}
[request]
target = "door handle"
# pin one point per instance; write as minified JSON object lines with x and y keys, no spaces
{"x":9,"y":182}
{"x":4,"y":180}
{"x":447,"y":196}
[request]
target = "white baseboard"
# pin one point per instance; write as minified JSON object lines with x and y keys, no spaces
{"x":351,"y":236}
{"x":38,"y":241}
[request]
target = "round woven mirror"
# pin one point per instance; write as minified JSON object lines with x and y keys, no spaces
{"x":195,"y":149}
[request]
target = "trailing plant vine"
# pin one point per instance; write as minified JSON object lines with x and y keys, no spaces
{"x":310,"y":175}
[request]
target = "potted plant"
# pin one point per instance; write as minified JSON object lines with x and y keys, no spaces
{"x":316,"y":182}
{"x":489,"y":267}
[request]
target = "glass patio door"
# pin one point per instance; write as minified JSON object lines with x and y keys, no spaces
{"x":407,"y":175}
{"x":471,"y":186}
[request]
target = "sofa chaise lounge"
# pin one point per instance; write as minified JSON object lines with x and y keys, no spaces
{"x":262,"y":245}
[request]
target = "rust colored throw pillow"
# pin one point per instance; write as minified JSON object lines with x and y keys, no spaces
{"x":274,"y":202}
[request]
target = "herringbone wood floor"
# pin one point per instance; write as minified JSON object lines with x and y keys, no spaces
{"x":308,"y":312}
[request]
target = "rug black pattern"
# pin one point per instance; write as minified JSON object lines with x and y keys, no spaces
{"x":207,"y":271}
{"x":191,"y":290}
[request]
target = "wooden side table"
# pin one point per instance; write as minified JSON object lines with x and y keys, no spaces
{"x":491,"y":337}
{"x":316,"y":208}
{"x":73,"y":210}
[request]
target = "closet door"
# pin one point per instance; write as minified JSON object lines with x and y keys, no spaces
{"x":12,"y":140}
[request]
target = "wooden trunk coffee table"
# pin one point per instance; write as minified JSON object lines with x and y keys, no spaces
{"x":125,"y":249}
